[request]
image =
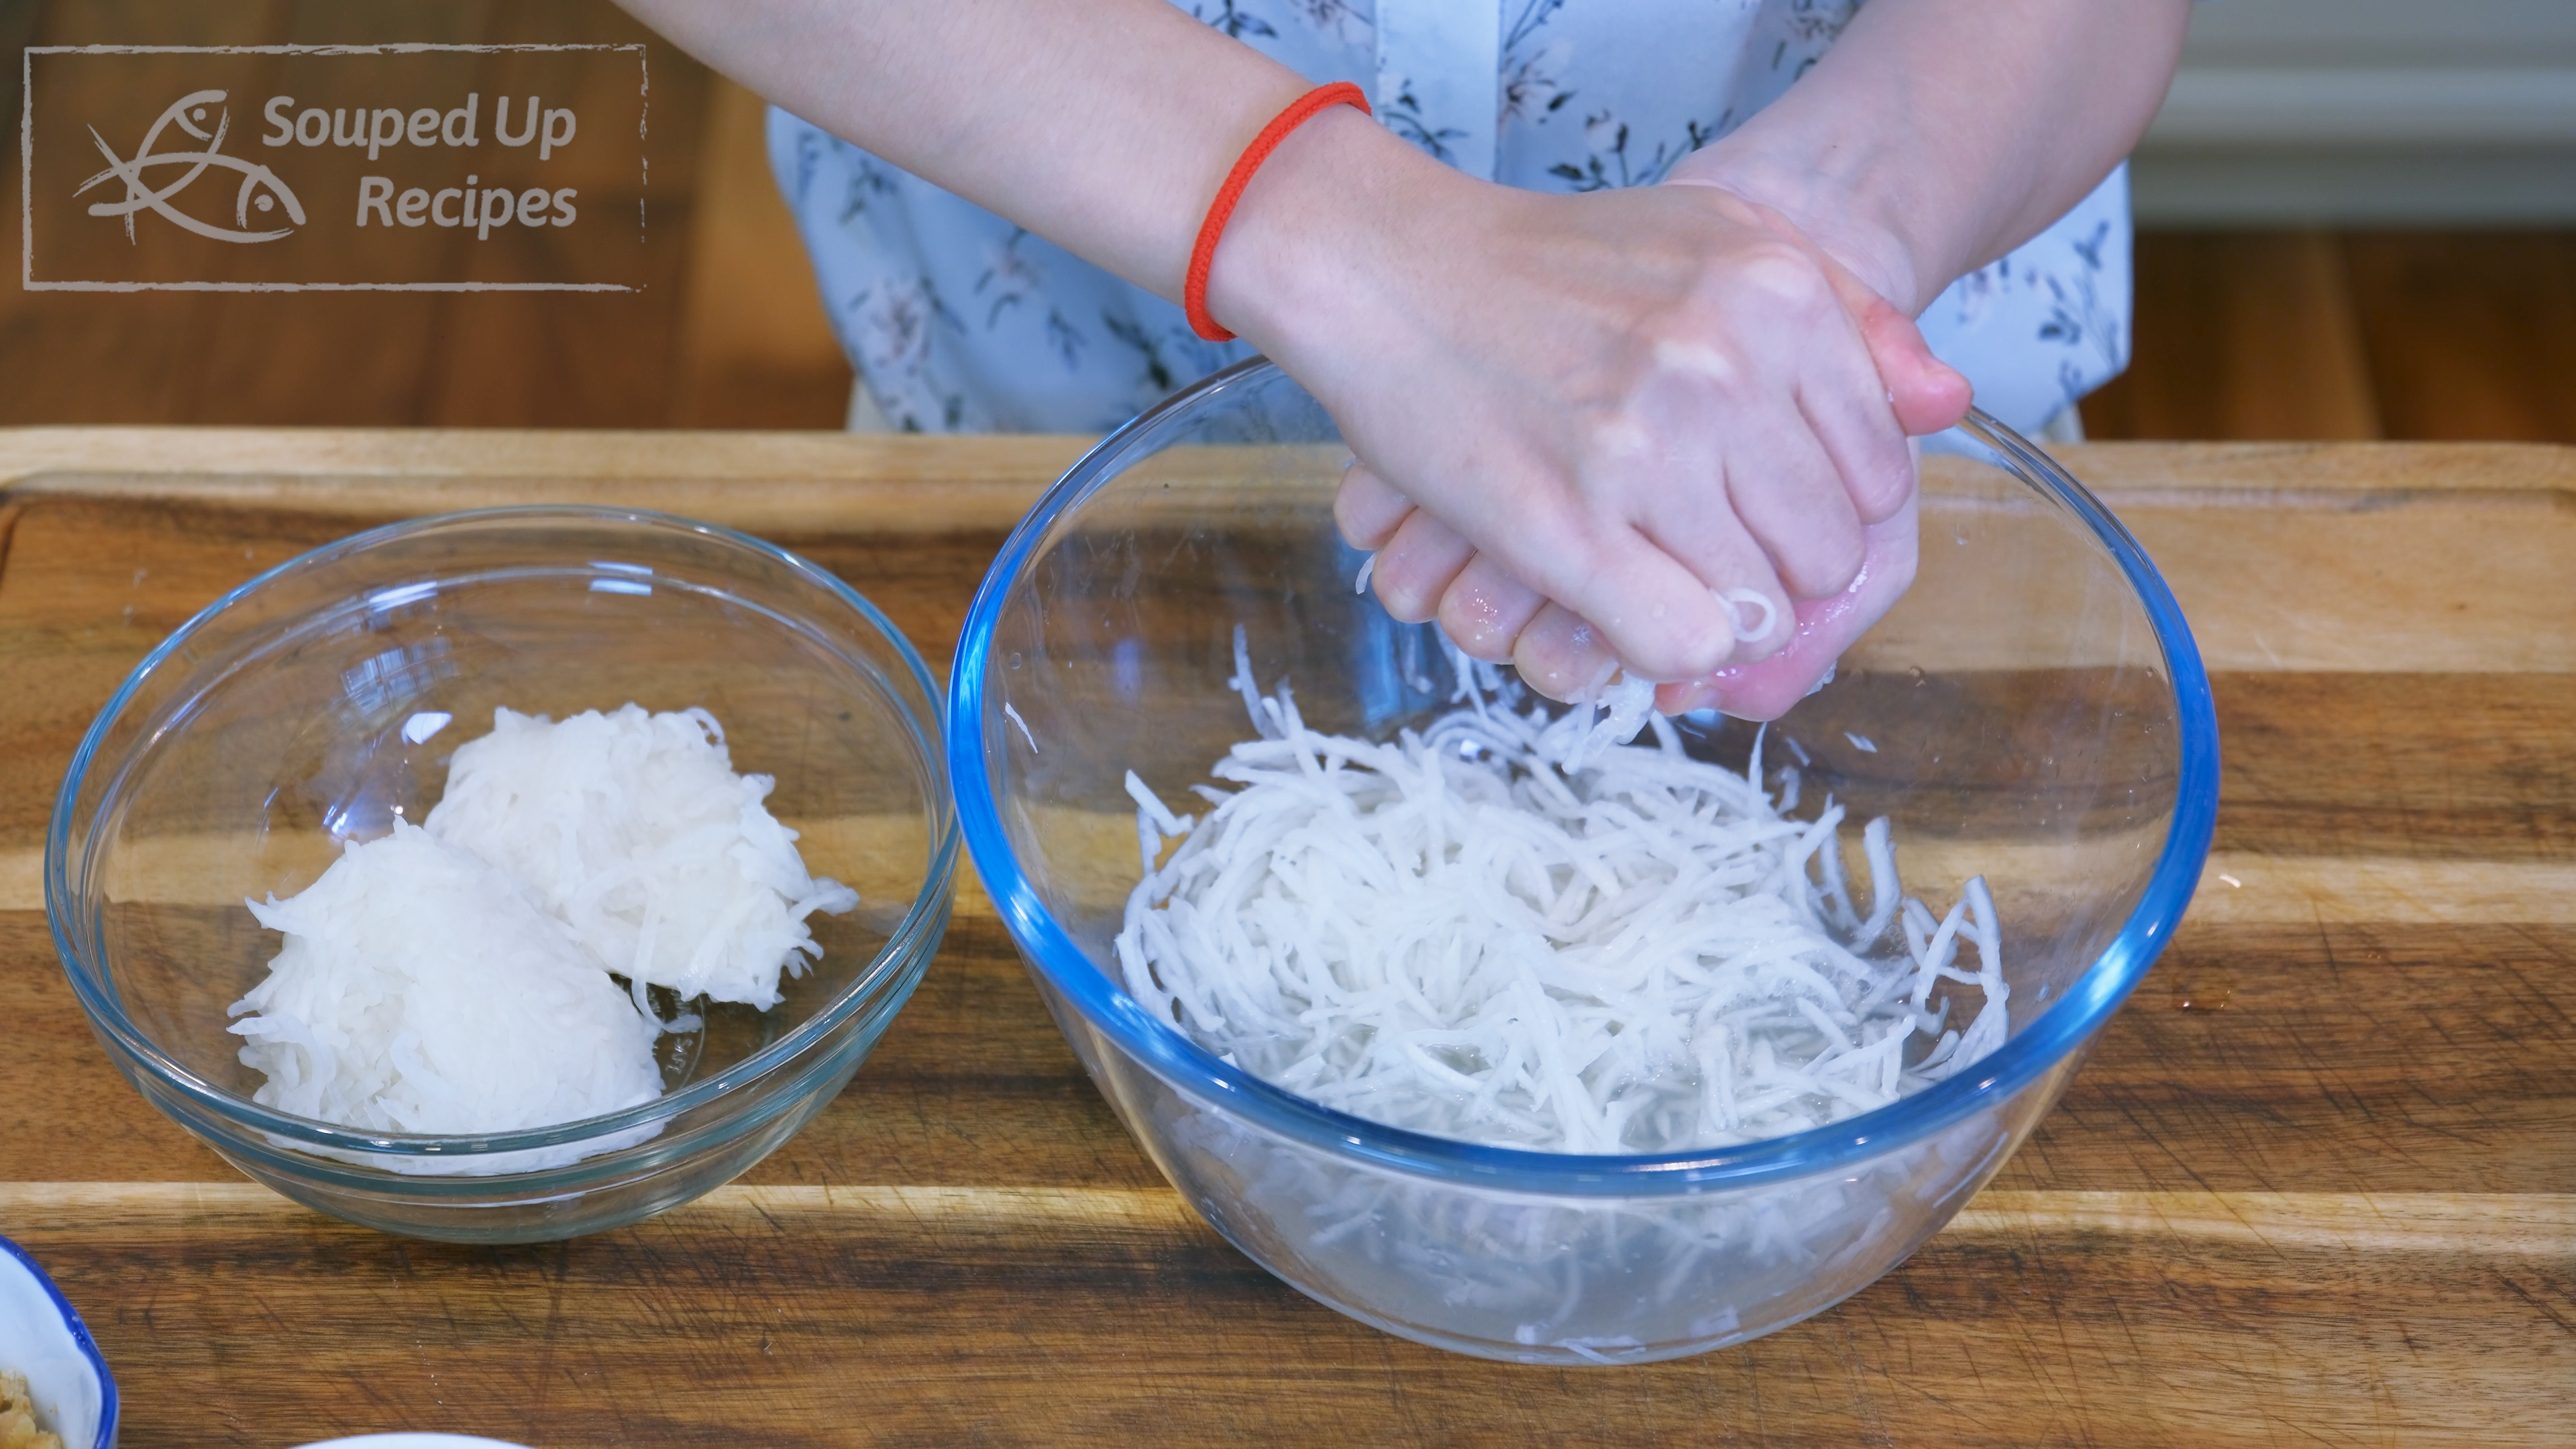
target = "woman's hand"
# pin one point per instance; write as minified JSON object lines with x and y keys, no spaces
{"x":1662,"y":411}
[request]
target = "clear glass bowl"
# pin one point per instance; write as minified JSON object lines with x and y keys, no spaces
{"x":2034,"y":710}
{"x":315,"y":703}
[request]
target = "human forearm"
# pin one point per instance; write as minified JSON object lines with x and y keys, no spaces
{"x":1103,"y":125}
{"x":1938,"y":134}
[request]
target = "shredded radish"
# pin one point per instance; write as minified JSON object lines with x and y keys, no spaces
{"x":422,"y":990}
{"x":1737,"y":599}
{"x":634,"y":828}
{"x":1011,"y":712}
{"x":454,"y":977}
{"x":1521,"y":932}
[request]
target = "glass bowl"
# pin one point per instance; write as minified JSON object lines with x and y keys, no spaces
{"x":43,"y":1339}
{"x":2034,"y":710}
{"x":321,"y":700}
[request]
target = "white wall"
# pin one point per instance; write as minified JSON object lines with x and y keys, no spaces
{"x":2435,"y":111}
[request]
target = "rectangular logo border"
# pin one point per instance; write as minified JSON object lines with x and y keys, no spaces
{"x":27,"y":164}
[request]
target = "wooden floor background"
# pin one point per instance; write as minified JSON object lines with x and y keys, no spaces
{"x":2239,"y":335}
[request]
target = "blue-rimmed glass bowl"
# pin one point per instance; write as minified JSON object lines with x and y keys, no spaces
{"x":2033,"y":711}
{"x":321,"y":700}
{"x":43,"y":1339}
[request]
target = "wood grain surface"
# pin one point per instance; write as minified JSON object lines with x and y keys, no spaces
{"x":2317,"y":1183}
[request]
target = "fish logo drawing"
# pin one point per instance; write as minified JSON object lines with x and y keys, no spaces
{"x":260,"y":187}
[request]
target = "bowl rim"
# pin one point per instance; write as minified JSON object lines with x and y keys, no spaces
{"x":2038,"y":1048}
{"x":81,"y":1339}
{"x":924,"y":919}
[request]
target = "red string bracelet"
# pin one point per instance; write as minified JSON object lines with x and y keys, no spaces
{"x":1221,"y":210}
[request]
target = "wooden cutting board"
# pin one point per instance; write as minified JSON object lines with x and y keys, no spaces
{"x":2316,"y":1185}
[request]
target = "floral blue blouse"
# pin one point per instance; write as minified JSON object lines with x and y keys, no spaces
{"x":959,"y":321}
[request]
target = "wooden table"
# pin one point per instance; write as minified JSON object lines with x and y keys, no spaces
{"x":2317,"y":1185}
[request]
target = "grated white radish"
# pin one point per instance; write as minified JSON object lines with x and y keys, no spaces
{"x":453,"y":978}
{"x":422,"y":990}
{"x":634,"y":828}
{"x":1521,"y":932}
